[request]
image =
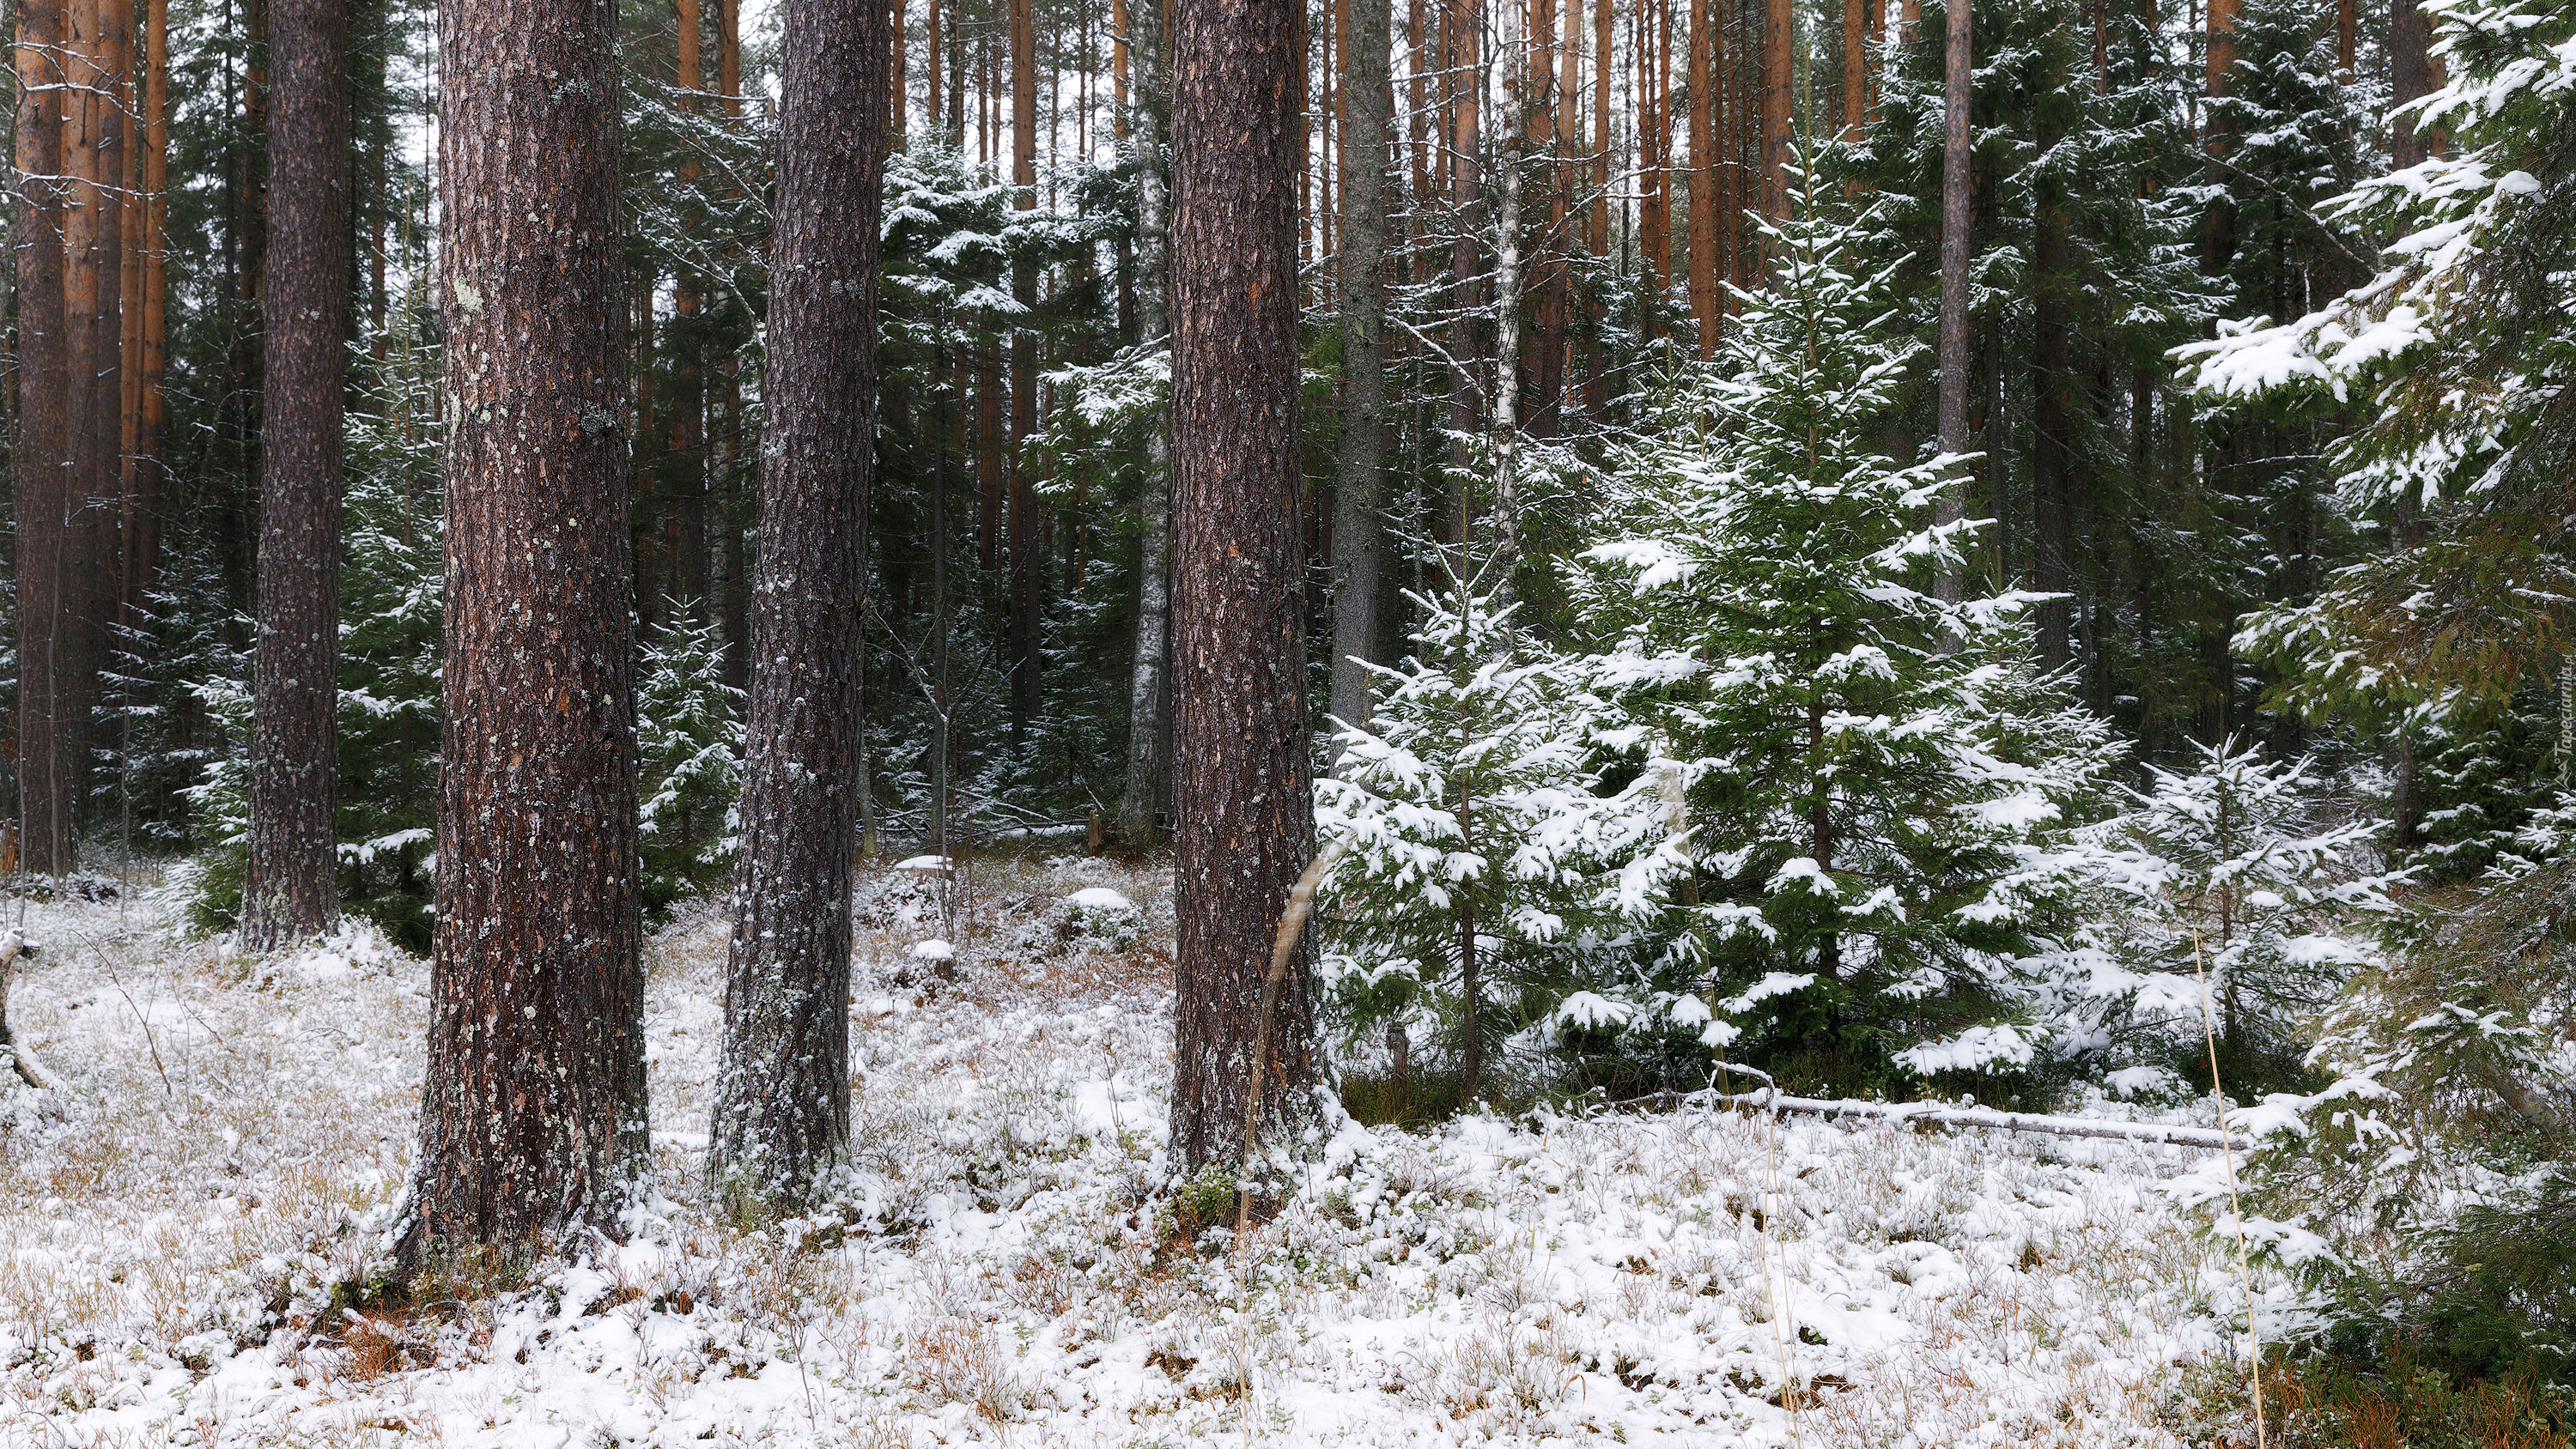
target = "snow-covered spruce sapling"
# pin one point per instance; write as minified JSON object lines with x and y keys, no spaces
{"x":1480,"y":894}
{"x":1874,"y":773}
{"x":2245,"y":872}
{"x":688,"y":735}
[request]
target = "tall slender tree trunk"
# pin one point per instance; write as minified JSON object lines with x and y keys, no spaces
{"x":2052,"y":419}
{"x":2412,"y":75}
{"x":782,"y":1116}
{"x":1244,"y":797}
{"x":292,"y":889}
{"x":1359,"y":485}
{"x":149,"y":306}
{"x":1654,"y":155}
{"x":1779,"y":33}
{"x":533,"y":1111}
{"x":1024,"y":383}
{"x":1705,"y":227}
{"x":1466,"y":190}
{"x":1957,"y":184}
{"x":42,"y":476}
{"x":1149,"y":677}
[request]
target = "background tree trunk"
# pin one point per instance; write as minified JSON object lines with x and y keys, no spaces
{"x":1705,"y":224}
{"x":1466,"y":190}
{"x":782,"y":1116}
{"x":292,"y":889}
{"x":1148,"y":680}
{"x":533,"y":1112}
{"x":42,"y":481}
{"x":1956,"y":183}
{"x":1359,"y":484}
{"x":2412,"y":74}
{"x":1779,"y":31}
{"x":1024,"y":383}
{"x":1244,"y":793}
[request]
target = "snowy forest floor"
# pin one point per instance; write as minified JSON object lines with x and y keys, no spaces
{"x":231,"y":1132}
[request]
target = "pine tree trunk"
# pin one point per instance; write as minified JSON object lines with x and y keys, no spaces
{"x":1705,"y":226}
{"x":2052,"y":421}
{"x":1466,"y":190}
{"x":1654,"y":158}
{"x":2412,"y":74}
{"x":141,"y":523}
{"x":42,"y":483}
{"x":1244,"y":792}
{"x":1779,"y":30}
{"x":1956,"y":183}
{"x":782,"y":1117}
{"x":292,"y":889}
{"x":1855,"y":66}
{"x":1148,"y":680}
{"x":533,"y":1112}
{"x":1359,"y":486}
{"x":1024,"y":383}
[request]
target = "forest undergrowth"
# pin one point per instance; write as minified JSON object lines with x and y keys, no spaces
{"x":190,"y":1251}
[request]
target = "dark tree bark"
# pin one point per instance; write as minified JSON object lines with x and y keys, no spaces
{"x":1243,"y":791}
{"x":1956,"y":184}
{"x":292,"y":890}
{"x":1359,"y":482}
{"x":1149,"y":675}
{"x":1706,"y":226}
{"x":533,"y":1112}
{"x":1024,"y":382}
{"x":782,"y":1116}
{"x":40,"y":476}
{"x":1779,"y":37}
{"x":2053,"y":413}
{"x":2412,"y":74}
{"x":1466,"y":191}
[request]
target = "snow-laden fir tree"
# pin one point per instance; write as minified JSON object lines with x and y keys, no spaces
{"x":2427,"y":1194}
{"x":1874,"y":773}
{"x":2243,"y":884}
{"x":688,"y":737}
{"x":1488,"y":886}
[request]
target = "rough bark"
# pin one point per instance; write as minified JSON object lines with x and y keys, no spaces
{"x":1956,"y":183}
{"x":1148,"y":680}
{"x":2053,"y":412}
{"x":1359,"y":482}
{"x":42,"y":478}
{"x":142,"y":511}
{"x":533,"y":1110}
{"x":1024,"y":383}
{"x":1466,"y":188}
{"x":782,"y":1116}
{"x":1243,"y":795}
{"x":292,"y":889}
{"x":1855,"y":65}
{"x":1779,"y":32}
{"x":1705,"y":225}
{"x":2412,"y":74}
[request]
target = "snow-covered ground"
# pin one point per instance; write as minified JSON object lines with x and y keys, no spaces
{"x":231,"y":1131}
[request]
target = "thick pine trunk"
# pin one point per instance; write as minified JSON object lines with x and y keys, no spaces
{"x":1779,"y":32}
{"x":42,"y":482}
{"x":2412,"y":73}
{"x":1359,"y":485}
{"x":782,"y":1116}
{"x":292,"y":890}
{"x":1956,"y":183}
{"x":142,"y":511}
{"x":1148,"y":680}
{"x":1243,"y":792}
{"x":533,"y":1111}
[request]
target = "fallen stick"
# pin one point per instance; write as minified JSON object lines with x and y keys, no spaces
{"x":13,"y":944}
{"x":1986,"y":1117}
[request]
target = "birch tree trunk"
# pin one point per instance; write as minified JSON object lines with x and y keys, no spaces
{"x":782,"y":1116}
{"x":1244,"y":791}
{"x":292,"y":889}
{"x":533,"y":1111}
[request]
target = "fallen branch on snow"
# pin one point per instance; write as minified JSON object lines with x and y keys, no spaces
{"x":1987,"y":1117}
{"x":13,"y":944}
